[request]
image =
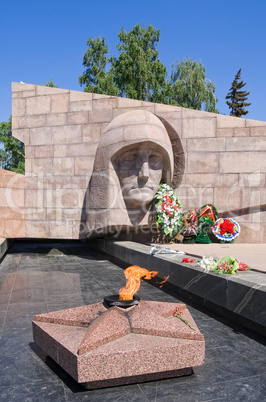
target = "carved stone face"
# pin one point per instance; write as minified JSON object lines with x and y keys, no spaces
{"x":139,"y":168}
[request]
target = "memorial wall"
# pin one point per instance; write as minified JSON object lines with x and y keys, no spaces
{"x":82,"y":148}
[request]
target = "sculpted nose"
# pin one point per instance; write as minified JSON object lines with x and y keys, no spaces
{"x":144,"y":170}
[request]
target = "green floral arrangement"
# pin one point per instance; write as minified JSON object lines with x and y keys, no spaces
{"x":168,"y":211}
{"x":191,"y":223}
{"x":227,"y":265}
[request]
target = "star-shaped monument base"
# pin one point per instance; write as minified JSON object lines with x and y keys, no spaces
{"x":101,"y":347}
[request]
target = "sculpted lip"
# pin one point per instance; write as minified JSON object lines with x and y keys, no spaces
{"x":142,"y":187}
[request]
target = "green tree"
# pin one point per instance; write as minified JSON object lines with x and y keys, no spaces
{"x":12,"y":154}
{"x":95,"y":78}
{"x":237,"y":97}
{"x":190,"y":88}
{"x":137,"y":72}
{"x":51,"y":84}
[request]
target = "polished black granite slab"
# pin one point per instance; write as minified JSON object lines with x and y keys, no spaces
{"x":37,"y":277}
{"x":240,"y":297}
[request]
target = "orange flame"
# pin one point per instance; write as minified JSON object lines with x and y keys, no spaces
{"x":134,"y":274}
{"x":165,"y":279}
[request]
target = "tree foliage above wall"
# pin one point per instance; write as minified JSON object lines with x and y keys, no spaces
{"x":237,"y":97}
{"x":12,"y":154}
{"x":138,"y":73}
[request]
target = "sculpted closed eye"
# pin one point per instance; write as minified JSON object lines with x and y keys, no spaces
{"x":155,"y":160}
{"x":128,"y":159}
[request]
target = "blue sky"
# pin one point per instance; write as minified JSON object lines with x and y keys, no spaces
{"x":43,"y":39}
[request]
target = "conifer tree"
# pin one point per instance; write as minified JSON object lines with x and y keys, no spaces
{"x":237,"y":97}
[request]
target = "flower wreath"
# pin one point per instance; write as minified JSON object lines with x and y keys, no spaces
{"x":226,"y":229}
{"x":168,"y":210}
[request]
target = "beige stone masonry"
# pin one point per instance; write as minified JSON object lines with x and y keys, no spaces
{"x":60,"y":103}
{"x":66,"y":134}
{"x":38,"y":105}
{"x":228,"y":199}
{"x":12,"y":198}
{"x":255,"y":179}
{"x":11,"y":179}
{"x":225,"y":132}
{"x":80,"y":181}
{"x":198,"y":128}
{"x":44,"y":151}
{"x":80,"y":106}
{"x":56,"y":119}
{"x":203,"y":162}
{"x":102,"y":104}
{"x":40,"y":136}
{"x":28,"y":121}
{"x":44,"y":90}
{"x":255,"y":123}
{"x":224,"y":156}
{"x":59,"y":214}
{"x":206,"y":144}
{"x":78,"y":117}
{"x":24,"y":94}
{"x":14,"y":228}
{"x":36,"y":213}
{"x":243,"y":144}
{"x":42,"y":165}
{"x":84,"y":165}
{"x":170,"y":116}
{"x":29,"y":153}
{"x":63,"y":166}
{"x":100,"y":116}
{"x":35,"y":198}
{"x":211,"y":179}
{"x":258,"y":131}
{"x":101,"y":96}
{"x":128,"y":103}
{"x":92,"y":132}
{"x":60,"y":150}
{"x":87,"y":149}
{"x":242,"y":132}
{"x":230,"y":121}
{"x":11,"y":214}
{"x":243,"y":162}
{"x":68,"y":198}
{"x":77,"y":96}
{"x":196,"y":114}
{"x":59,"y":229}
{"x":18,"y":107}
{"x":23,"y":134}
{"x":38,"y":229}
{"x":18,"y":87}
{"x":160,"y":108}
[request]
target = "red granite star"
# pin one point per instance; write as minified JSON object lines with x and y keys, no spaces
{"x":108,"y":324}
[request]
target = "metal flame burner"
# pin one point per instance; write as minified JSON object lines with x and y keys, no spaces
{"x":113,"y":300}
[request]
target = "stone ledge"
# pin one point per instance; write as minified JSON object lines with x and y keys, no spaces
{"x":4,"y":246}
{"x":241,"y":297}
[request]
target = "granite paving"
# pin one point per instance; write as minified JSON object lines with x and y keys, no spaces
{"x":38,"y":277}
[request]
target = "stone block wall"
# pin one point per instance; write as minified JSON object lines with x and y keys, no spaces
{"x":12,"y":212}
{"x":225,"y":158}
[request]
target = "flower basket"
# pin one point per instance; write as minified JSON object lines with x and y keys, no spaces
{"x":226,"y":229}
